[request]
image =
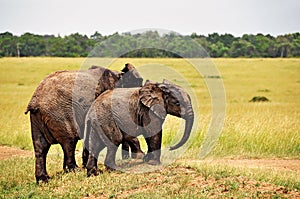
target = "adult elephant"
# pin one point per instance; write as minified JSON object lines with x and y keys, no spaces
{"x":59,"y":105}
{"x":122,"y":114}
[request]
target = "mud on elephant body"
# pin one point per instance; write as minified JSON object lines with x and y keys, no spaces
{"x":121,"y":114}
{"x":59,"y":105}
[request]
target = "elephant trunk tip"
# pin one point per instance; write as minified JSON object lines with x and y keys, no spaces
{"x":172,"y":148}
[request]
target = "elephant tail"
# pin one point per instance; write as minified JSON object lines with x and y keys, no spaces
{"x":33,"y":106}
{"x":31,"y":109}
{"x":86,"y":135}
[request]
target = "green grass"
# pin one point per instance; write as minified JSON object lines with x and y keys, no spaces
{"x":251,"y":130}
{"x":270,"y":129}
{"x":178,"y":180}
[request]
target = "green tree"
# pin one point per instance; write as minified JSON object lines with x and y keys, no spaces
{"x":295,"y":49}
{"x":283,"y":46}
{"x":218,"y":50}
{"x":31,"y":45}
{"x":8,"y":45}
{"x":56,"y":47}
{"x":227,"y":39}
{"x":242,"y":48}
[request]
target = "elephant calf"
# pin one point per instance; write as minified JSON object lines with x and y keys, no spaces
{"x":125,"y":113}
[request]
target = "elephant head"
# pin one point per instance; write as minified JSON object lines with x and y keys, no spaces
{"x":168,"y":98}
{"x":129,"y":77}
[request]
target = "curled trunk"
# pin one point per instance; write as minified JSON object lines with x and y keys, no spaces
{"x":189,"y":121}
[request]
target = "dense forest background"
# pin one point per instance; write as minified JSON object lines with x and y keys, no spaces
{"x":216,"y":45}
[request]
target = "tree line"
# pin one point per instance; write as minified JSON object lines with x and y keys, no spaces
{"x":150,"y":44}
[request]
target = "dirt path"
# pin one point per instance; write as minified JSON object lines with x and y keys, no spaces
{"x":281,"y":164}
{"x":10,"y":152}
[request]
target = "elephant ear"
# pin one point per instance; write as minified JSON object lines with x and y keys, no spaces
{"x":109,"y":79}
{"x":127,"y":68}
{"x":106,"y":82}
{"x":130,"y":77}
{"x":151,"y":96}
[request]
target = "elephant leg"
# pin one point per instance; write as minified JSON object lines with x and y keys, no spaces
{"x":110,"y":158}
{"x":125,"y":150}
{"x":85,"y":151}
{"x":154,"y":146}
{"x":40,"y":163}
{"x":68,"y":147}
{"x":91,"y":166}
{"x":136,"y":151}
{"x":95,"y":146}
{"x":41,"y":148}
{"x":85,"y":157}
{"x":134,"y":144}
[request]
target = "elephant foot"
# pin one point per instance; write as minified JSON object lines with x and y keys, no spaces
{"x":125,"y":156}
{"x":139,"y":155}
{"x":42,"y":178}
{"x":153,"y":162}
{"x":148,"y":157}
{"x":93,"y":172}
{"x":72,"y":168}
{"x":110,"y":169}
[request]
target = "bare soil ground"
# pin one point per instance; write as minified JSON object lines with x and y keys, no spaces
{"x":11,"y":152}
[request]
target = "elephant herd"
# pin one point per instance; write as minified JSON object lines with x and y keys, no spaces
{"x":105,"y":108}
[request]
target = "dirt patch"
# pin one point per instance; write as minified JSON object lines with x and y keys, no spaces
{"x":11,"y":152}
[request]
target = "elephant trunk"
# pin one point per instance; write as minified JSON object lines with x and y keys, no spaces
{"x":189,"y":121}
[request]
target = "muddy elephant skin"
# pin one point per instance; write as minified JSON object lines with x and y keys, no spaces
{"x":58,"y":108}
{"x":121,"y":114}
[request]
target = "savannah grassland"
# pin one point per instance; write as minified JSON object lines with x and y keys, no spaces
{"x":260,"y":131}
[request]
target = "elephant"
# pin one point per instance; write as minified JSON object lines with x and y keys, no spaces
{"x":119,"y":115}
{"x":59,"y":105}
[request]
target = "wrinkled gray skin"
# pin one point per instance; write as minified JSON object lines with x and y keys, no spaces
{"x":122,"y":114}
{"x":59,"y":105}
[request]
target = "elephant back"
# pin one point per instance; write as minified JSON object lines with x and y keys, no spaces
{"x":63,"y":99}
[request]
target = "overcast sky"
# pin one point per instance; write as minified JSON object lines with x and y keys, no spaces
{"x":64,"y":17}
